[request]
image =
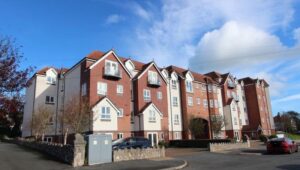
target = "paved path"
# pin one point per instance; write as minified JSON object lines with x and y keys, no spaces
{"x":14,"y":157}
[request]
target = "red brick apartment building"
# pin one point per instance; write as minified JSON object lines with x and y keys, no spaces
{"x":259,"y":108}
{"x":130,"y":98}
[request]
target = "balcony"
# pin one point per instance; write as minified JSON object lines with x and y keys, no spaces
{"x":236,"y":98}
{"x":231,"y":85}
{"x":154,"y":82}
{"x":112,"y":73}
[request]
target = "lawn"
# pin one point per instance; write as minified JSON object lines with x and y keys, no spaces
{"x":293,"y":136}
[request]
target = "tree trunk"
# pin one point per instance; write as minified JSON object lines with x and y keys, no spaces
{"x":43,"y":136}
{"x":36,"y":136}
{"x":66,"y":136}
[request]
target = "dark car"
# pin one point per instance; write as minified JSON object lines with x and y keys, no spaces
{"x":131,"y":142}
{"x":281,"y":145}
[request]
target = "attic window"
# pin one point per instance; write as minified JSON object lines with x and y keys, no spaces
{"x":50,"y":80}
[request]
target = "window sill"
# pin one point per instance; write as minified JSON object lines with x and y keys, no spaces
{"x":152,"y":121}
{"x":120,"y":116}
{"x":105,"y":119}
{"x":50,"y":103}
{"x":51,"y":83}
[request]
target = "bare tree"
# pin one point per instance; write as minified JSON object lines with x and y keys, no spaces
{"x":41,"y":120}
{"x":217,"y":122}
{"x":76,"y":116}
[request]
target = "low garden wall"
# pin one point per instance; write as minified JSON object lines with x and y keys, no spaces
{"x":134,"y":154}
{"x":219,"y":147}
{"x":71,"y":154}
{"x":198,"y":143}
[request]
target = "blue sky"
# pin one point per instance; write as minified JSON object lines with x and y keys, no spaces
{"x":259,"y":38}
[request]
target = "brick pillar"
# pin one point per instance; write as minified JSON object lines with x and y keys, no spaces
{"x":79,"y":151}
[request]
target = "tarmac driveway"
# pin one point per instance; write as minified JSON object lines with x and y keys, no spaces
{"x":246,"y":159}
{"x":14,"y":157}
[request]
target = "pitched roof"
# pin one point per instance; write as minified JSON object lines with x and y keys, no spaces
{"x":197,"y":76}
{"x":95,"y":55}
{"x":248,"y":80}
{"x":45,"y":69}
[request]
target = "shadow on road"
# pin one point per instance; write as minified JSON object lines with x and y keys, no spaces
{"x":289,"y":167}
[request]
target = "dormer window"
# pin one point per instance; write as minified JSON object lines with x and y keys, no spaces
{"x":51,"y":80}
{"x":189,"y":86}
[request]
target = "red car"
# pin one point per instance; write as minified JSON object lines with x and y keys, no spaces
{"x":281,"y":145}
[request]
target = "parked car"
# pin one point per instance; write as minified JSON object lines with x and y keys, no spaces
{"x":131,"y":142}
{"x":281,"y":145}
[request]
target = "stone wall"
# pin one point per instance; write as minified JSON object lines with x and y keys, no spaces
{"x":71,"y":154}
{"x":133,"y":154}
{"x":220,"y":147}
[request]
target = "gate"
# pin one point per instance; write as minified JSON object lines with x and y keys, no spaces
{"x":99,"y":149}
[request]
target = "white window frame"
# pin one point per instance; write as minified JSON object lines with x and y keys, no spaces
{"x":203,"y":87}
{"x":176,"y":119}
{"x":101,"y":88}
{"x":50,"y":101}
{"x":228,"y":94}
{"x":120,"y":89}
{"x":189,"y":86}
{"x":175,"y":101}
{"x":121,"y":112}
{"x":205,"y":104}
{"x":211,"y":103}
{"x":235,"y":121}
{"x":120,"y":135}
{"x":174,"y":84}
{"x":109,"y":65}
{"x":198,"y":101}
{"x":152,"y":76}
{"x":83,"y":89}
{"x":147,"y":95}
{"x":209,"y":88}
{"x":105,"y":113}
{"x":152,"y":117}
{"x":216,"y":103}
{"x":51,"y":80}
{"x":159,"y":95}
{"x":214,"y":89}
{"x":190,"y":101}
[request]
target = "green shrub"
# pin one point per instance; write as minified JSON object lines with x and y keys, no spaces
{"x":263,"y":138}
{"x":163,"y":143}
{"x":272,"y":136}
{"x":198,"y":143}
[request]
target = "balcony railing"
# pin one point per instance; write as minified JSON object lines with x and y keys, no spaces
{"x":154,"y":82}
{"x":108,"y":72}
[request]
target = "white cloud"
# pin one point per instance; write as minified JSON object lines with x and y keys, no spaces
{"x":140,"y":11}
{"x":173,"y":33}
{"x":114,"y":18}
{"x":297,"y":35}
{"x":237,"y":45}
{"x":288,"y":98}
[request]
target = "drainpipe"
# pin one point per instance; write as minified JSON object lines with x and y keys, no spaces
{"x":171,"y":104}
{"x":209,"y":112}
{"x":33,"y":104}
{"x":57,"y":95}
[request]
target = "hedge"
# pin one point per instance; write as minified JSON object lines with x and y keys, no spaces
{"x":198,"y":143}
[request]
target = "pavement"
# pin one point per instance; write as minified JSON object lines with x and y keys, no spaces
{"x":14,"y":157}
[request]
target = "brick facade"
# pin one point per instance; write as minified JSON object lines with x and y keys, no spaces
{"x":206,"y":100}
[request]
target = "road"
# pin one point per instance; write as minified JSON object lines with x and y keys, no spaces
{"x":246,"y":161}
